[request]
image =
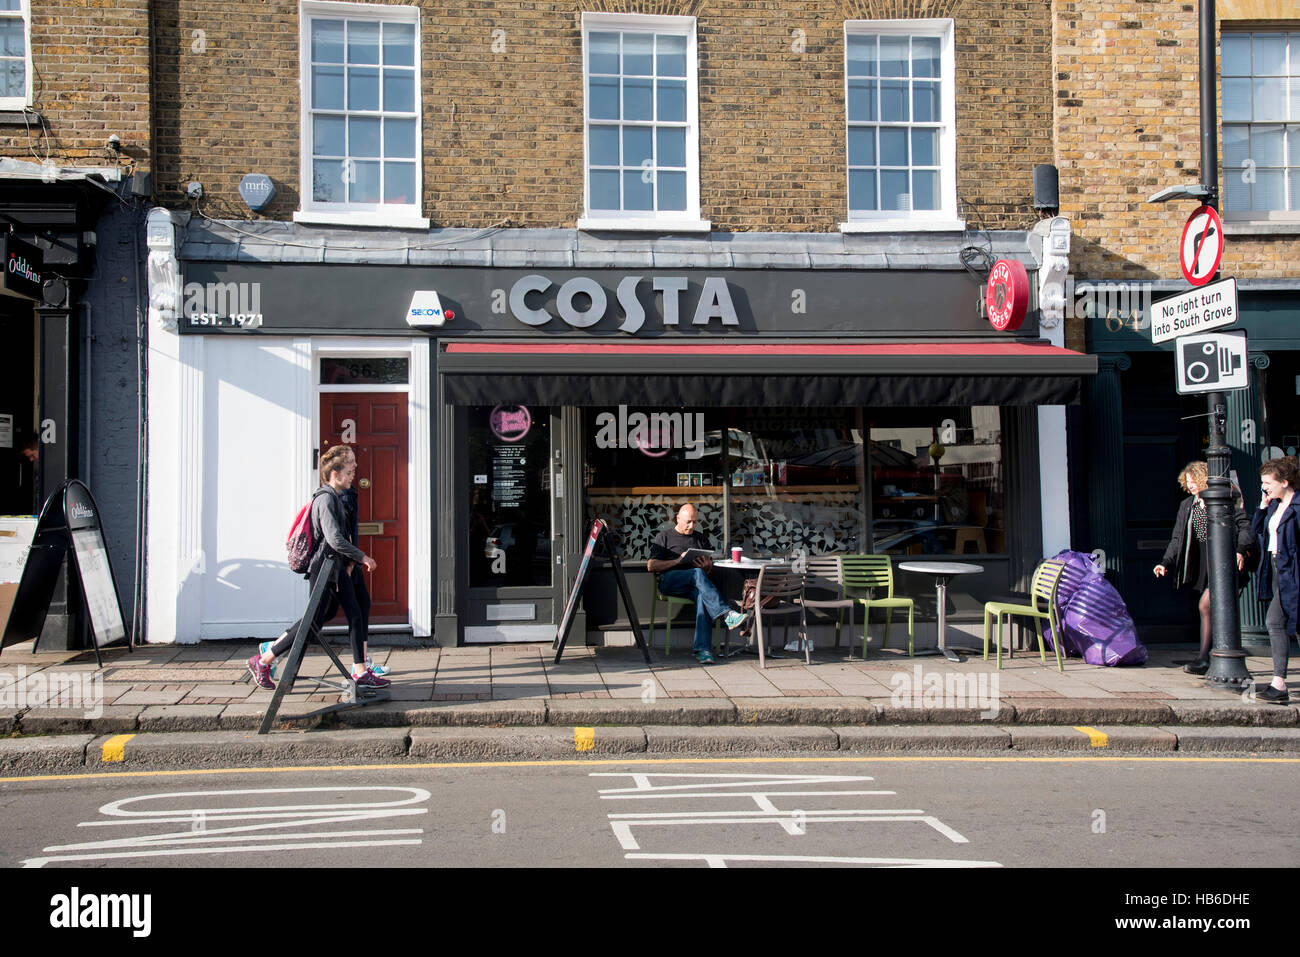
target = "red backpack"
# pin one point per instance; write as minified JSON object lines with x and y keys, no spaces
{"x":301,"y":544}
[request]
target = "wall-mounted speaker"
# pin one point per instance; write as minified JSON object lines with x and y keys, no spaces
{"x":1047,"y":187}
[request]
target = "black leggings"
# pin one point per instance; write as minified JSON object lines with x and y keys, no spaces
{"x":351,"y":593}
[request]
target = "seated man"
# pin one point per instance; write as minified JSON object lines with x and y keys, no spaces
{"x":690,"y":582}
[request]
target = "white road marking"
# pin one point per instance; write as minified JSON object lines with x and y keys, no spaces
{"x":276,"y":823}
{"x":720,"y":860}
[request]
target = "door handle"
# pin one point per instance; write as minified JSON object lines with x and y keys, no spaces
{"x":364,"y":483}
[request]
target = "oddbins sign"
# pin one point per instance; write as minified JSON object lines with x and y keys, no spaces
{"x":1006,"y":296}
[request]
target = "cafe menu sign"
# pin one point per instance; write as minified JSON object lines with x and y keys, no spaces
{"x":22,"y":272}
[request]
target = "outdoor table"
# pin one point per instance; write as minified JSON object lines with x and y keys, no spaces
{"x":943,"y":572}
{"x":748,"y":568}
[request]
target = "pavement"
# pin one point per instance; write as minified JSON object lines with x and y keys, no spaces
{"x":173,"y":706}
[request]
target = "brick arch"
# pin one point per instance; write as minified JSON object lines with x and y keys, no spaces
{"x":899,"y":9}
{"x":664,"y":8}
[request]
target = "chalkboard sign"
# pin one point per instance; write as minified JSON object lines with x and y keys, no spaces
{"x":69,"y":527}
{"x":598,"y":528}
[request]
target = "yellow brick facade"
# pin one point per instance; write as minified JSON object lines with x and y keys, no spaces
{"x":503,"y":107}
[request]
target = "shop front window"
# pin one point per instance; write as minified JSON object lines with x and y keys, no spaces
{"x":795,"y":481}
{"x":510,"y":487}
{"x":937,"y":482}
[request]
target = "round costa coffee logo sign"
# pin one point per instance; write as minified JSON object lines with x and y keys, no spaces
{"x":1007,"y":295}
{"x":510,"y":423}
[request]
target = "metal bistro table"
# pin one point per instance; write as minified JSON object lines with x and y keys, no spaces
{"x":748,"y":568}
{"x":943,"y":572}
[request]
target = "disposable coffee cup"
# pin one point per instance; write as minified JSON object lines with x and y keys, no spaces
{"x":735,"y":553}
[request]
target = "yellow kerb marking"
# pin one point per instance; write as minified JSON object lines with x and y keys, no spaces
{"x":584,"y":739}
{"x":1098,"y":738}
{"x":115,"y":748}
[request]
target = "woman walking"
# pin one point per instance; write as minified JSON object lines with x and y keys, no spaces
{"x":1277,"y":523}
{"x":1188,"y":553}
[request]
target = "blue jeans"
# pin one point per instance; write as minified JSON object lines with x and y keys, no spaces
{"x":694,"y":584}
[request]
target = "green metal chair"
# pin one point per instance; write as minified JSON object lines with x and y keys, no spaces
{"x":656,"y":596}
{"x":1047,"y":579}
{"x":863,"y":572}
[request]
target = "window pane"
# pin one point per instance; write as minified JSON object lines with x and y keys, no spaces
{"x":1267,"y":145}
{"x":13,"y":78}
{"x":925,"y":148}
{"x":327,"y":181}
{"x":862,"y":189}
{"x":638,"y":54}
{"x":363,"y":89}
{"x":1234,"y":54}
{"x":399,"y":91}
{"x":637,"y":100}
{"x":925,"y":103}
{"x":399,"y":183}
{"x":893,"y":56}
{"x":327,"y":87}
{"x":1270,"y":55}
{"x":893,"y":146}
{"x":327,"y":41}
{"x":1269,"y":100}
{"x":925,"y":56}
{"x":1236,"y":145}
{"x":672,"y":191}
{"x":894,"y":190}
{"x":1293,"y":177}
{"x":637,"y":193}
{"x":670,"y":53}
{"x":862,"y":101}
{"x":363,"y":42}
{"x":1270,"y":190}
{"x":399,"y":139}
{"x":1236,"y":100}
{"x":364,"y":370}
{"x":925,"y":189}
{"x":363,"y":136}
{"x":399,"y":44}
{"x":364,"y":182}
{"x":862,"y":146}
{"x":510,"y":524}
{"x":862,"y":56}
{"x":604,"y":189}
{"x":604,"y":145}
{"x":893,"y":101}
{"x":1293,"y":145}
{"x":11,"y":4}
{"x":672,"y":148}
{"x":672,"y":101}
{"x":1294,"y":110}
{"x":11,"y":37}
{"x":638,"y":147}
{"x":603,"y":100}
{"x":329,"y":136}
{"x":602,"y":53}
{"x":1236,"y":191}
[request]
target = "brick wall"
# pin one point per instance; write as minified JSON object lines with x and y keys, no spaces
{"x":90,"y":70}
{"x":503,"y":101}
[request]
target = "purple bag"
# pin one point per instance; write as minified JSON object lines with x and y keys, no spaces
{"x":1096,"y":624}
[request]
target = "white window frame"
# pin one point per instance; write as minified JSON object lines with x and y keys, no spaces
{"x":687,"y":220}
{"x":1288,"y":219}
{"x":944,"y":218}
{"x":22,"y":102}
{"x":377,"y":214}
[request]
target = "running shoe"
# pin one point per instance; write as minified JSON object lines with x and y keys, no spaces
{"x":262,"y":649}
{"x":368,"y":679}
{"x":735,"y":619}
{"x":261,"y":673}
{"x":379,"y":670}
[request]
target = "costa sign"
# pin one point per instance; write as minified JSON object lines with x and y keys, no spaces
{"x":582,"y":302}
{"x":1007,"y":295}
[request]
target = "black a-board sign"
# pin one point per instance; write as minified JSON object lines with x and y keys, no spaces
{"x":68,"y":527}
{"x":599,"y":533}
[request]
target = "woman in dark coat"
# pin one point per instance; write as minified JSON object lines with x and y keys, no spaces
{"x":1277,"y":523}
{"x":1188,"y":553}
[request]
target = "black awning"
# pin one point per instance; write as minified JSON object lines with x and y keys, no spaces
{"x":768,"y":374}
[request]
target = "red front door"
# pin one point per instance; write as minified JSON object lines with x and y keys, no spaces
{"x":374,"y":424}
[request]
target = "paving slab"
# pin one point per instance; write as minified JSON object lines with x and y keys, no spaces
{"x":930,"y":737}
{"x":665,"y":739}
{"x":661,"y":711}
{"x":486,"y":744}
{"x":58,"y":755}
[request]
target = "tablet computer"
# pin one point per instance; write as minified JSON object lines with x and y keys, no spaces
{"x":691,"y":554}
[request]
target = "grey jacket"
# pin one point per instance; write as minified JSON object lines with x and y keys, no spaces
{"x":329,"y":529}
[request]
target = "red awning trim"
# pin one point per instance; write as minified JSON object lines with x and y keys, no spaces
{"x":1025,"y":350}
